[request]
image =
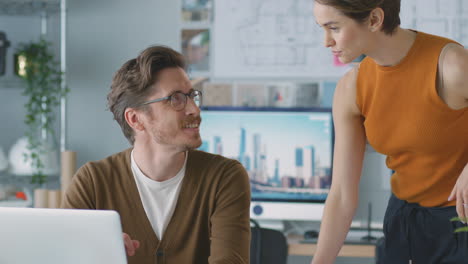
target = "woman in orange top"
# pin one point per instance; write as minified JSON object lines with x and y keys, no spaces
{"x":409,"y":99}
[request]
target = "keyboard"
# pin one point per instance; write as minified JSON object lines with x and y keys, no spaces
{"x":354,"y":237}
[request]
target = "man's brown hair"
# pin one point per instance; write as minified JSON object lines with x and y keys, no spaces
{"x":134,"y":81}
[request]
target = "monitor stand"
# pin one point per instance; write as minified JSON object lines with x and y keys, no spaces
{"x":369,"y":237}
{"x":271,"y":224}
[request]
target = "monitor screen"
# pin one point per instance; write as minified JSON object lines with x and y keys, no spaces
{"x":287,"y":153}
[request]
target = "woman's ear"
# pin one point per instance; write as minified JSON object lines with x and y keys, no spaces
{"x":376,"y":19}
{"x":133,"y":118}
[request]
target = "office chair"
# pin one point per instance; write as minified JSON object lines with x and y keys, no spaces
{"x":379,"y":247}
{"x":267,"y":246}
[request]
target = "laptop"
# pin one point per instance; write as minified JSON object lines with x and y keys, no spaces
{"x":60,"y":236}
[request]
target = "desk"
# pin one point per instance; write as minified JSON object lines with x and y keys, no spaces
{"x":308,"y":249}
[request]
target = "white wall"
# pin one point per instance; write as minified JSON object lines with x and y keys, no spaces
{"x":102,"y":35}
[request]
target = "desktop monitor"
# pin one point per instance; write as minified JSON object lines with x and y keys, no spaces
{"x":287,"y":153}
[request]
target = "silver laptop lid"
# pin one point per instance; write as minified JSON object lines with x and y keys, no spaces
{"x":60,"y":236}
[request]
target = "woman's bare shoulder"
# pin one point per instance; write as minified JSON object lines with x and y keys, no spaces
{"x":345,"y":93}
{"x":454,"y":69}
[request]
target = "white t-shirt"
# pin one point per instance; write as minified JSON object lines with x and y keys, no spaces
{"x":159,"y":198}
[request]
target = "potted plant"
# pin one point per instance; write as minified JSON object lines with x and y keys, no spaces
{"x":35,"y":64}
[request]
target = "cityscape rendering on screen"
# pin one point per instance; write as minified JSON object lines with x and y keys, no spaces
{"x":286,"y":152}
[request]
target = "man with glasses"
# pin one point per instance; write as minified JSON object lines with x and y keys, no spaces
{"x":177,"y":204}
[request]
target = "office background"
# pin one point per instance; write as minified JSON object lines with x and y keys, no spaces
{"x":101,"y":36}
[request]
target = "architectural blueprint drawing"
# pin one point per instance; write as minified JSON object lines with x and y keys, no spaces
{"x":270,"y":38}
{"x":280,"y":39}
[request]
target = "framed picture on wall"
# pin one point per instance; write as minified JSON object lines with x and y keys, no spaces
{"x":197,"y":10}
{"x":217,"y":94}
{"x":251,"y":95}
{"x":196,"y":49}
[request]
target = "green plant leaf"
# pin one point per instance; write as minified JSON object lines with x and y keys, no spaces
{"x":39,"y":178}
{"x":461,"y":229}
{"x":44,"y":92}
{"x":458,"y":219}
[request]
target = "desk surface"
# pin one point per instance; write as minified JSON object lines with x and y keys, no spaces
{"x":308,"y":249}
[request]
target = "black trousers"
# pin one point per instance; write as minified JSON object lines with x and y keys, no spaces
{"x":421,"y":234}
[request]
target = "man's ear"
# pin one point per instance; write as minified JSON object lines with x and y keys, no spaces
{"x":133,"y":118}
{"x":376,"y":19}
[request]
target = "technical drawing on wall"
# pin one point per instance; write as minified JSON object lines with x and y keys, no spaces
{"x":270,"y":38}
{"x":276,"y":38}
{"x":446,"y":18}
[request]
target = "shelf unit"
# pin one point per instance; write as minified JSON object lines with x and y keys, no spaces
{"x":42,"y":9}
{"x":23,"y":184}
{"x":29,"y":7}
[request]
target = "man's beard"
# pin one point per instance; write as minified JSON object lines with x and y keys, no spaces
{"x":193,"y":146}
{"x":166,"y":139}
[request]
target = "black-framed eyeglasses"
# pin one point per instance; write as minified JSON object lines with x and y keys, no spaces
{"x":179,"y":99}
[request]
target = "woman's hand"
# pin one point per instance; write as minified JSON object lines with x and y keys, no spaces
{"x":460,"y":193}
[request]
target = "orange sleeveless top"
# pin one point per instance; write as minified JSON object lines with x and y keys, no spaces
{"x":425,"y":141}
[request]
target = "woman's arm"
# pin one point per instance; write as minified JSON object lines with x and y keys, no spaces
{"x":454,"y":69}
{"x":350,"y":141}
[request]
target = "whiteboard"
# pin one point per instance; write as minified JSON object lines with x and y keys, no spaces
{"x":446,"y":18}
{"x":270,"y":38}
{"x":280,"y":38}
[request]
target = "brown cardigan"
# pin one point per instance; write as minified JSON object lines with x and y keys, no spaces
{"x":210,"y":223}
